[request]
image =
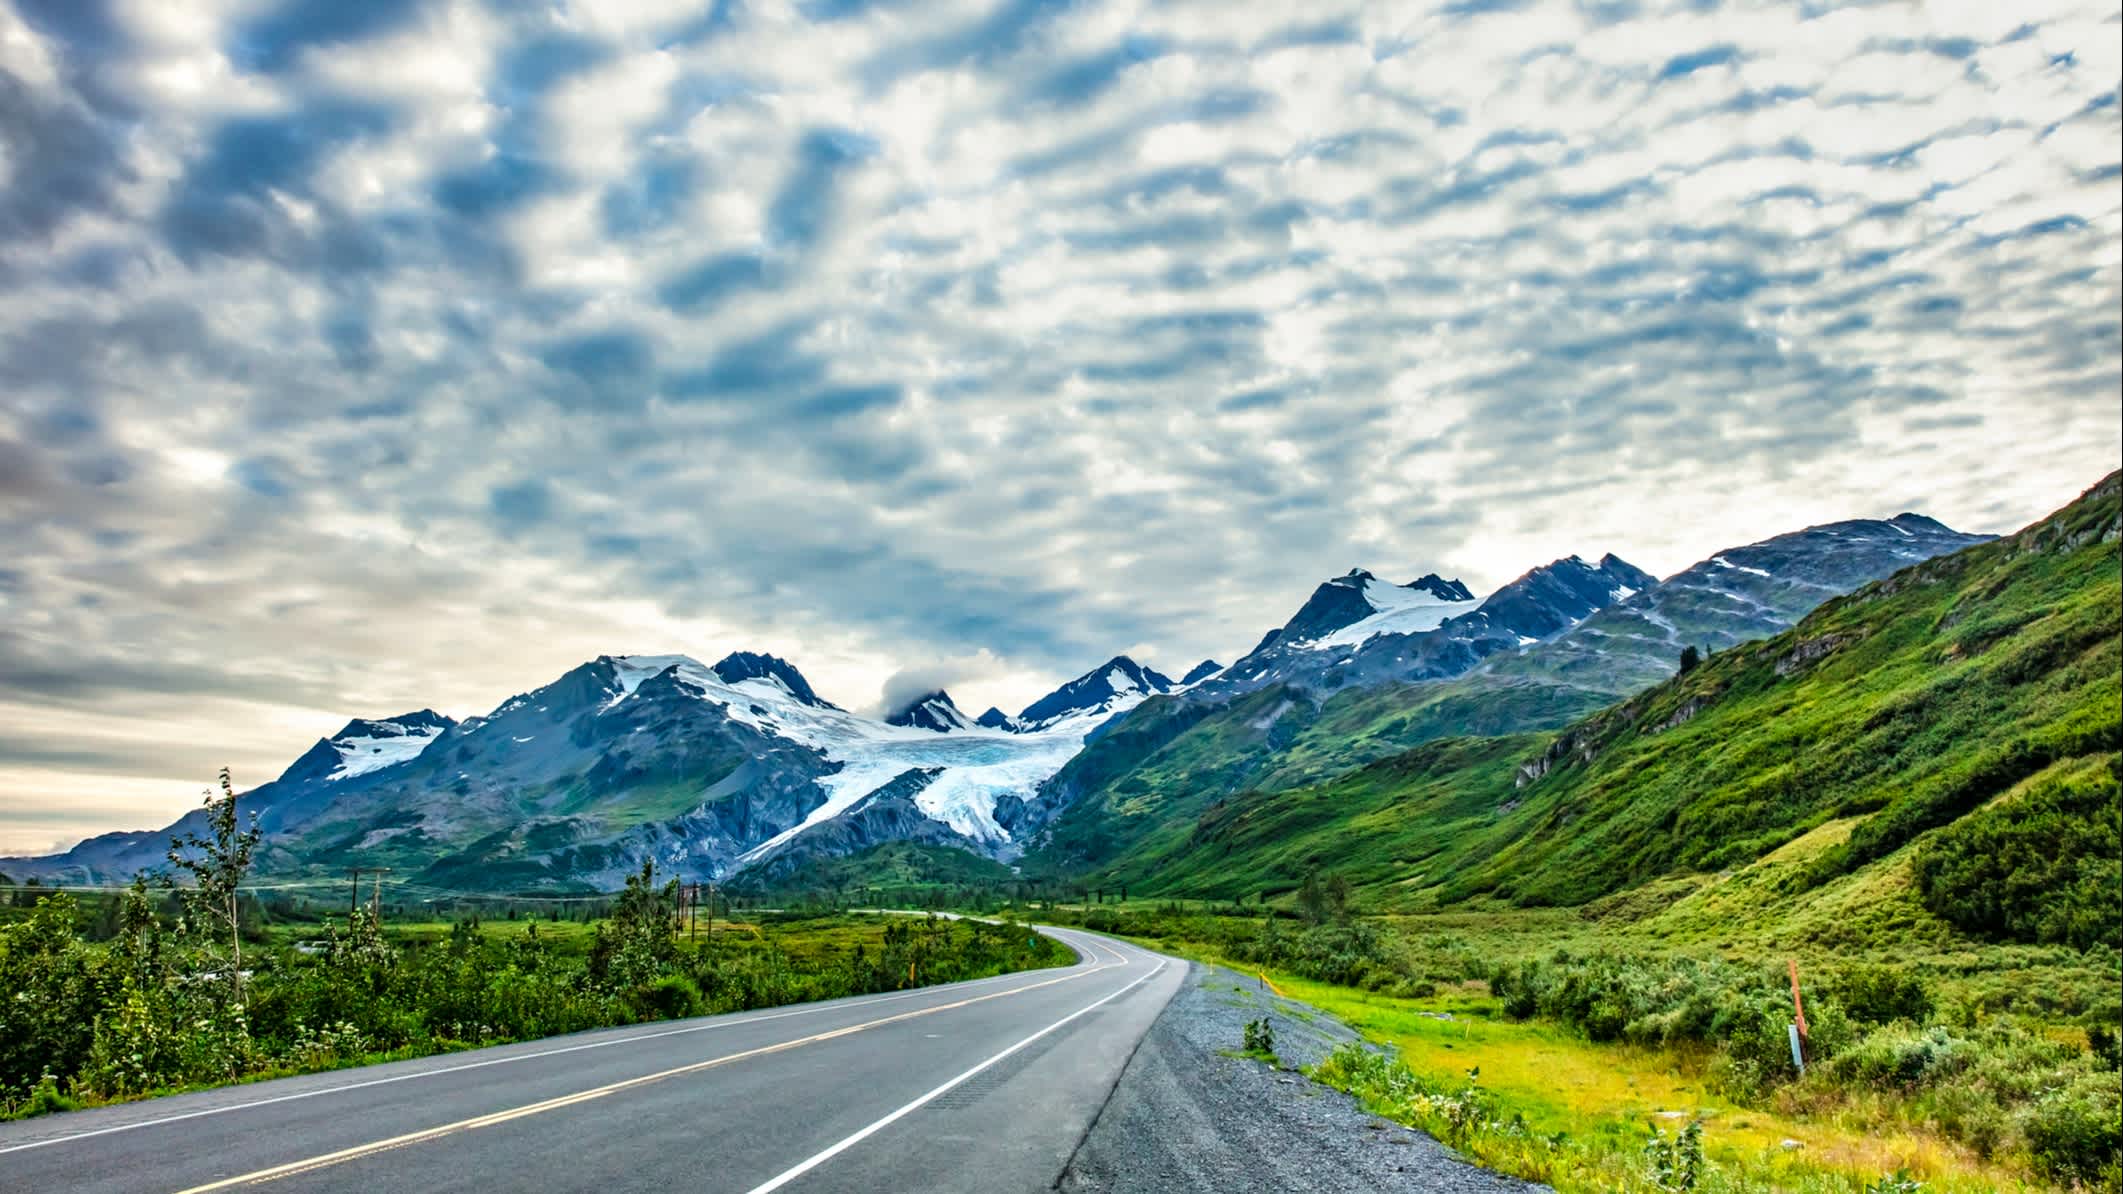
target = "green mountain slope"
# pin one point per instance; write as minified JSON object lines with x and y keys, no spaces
{"x":886,"y":867}
{"x":1171,"y":760}
{"x":1887,"y":715}
{"x":1174,"y":757}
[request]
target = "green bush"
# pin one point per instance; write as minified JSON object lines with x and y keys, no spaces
{"x":1349,"y":953}
{"x":50,"y":996}
{"x":2046,"y":867}
{"x":1881,"y":994}
{"x":2075,"y":1131}
{"x":669,"y":997}
{"x":1971,"y":1115}
{"x":1675,"y":1164}
{"x":1260,"y":1038}
{"x":1907,"y":1059}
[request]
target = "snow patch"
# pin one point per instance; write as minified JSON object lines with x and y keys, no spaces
{"x":1397,"y":611}
{"x":1722,"y":562}
{"x":386,"y":746}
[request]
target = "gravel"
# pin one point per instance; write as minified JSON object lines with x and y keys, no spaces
{"x":1188,"y":1115}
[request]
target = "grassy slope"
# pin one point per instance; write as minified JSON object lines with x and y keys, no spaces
{"x":1170,"y":762}
{"x":892,"y":866}
{"x":1895,"y":709}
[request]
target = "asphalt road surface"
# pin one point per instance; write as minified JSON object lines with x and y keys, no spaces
{"x":984,"y":1086}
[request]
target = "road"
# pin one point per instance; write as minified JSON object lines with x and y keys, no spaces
{"x":984,"y":1086}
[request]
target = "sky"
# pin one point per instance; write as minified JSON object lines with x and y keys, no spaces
{"x":362,"y":358}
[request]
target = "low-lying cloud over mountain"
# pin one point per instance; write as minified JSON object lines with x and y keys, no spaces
{"x":378,"y":356}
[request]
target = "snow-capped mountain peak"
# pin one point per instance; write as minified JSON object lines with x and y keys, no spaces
{"x":1554,"y":597}
{"x":370,"y":745}
{"x":1359,"y":629}
{"x":1440,"y":588}
{"x":1357,"y":605}
{"x":1420,"y":605}
{"x":739,"y":666}
{"x":931,"y":711}
{"x":1119,"y":683}
{"x":765,"y":675}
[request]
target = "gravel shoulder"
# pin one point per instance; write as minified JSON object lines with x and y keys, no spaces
{"x":1187,"y":1115}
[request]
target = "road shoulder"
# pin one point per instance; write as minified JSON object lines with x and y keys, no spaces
{"x":1188,"y":1114}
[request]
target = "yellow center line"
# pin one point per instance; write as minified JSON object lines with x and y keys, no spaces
{"x":554,"y":1104}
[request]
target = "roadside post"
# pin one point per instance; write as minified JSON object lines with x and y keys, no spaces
{"x":1799,"y":1041}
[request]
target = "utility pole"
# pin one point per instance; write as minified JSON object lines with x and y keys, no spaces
{"x":353,"y":894}
{"x":376,"y":891}
{"x":711,"y":913}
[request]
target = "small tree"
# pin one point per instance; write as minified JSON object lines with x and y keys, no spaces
{"x":138,"y":945}
{"x":1323,"y":898}
{"x":1690,"y":657}
{"x":640,"y":939}
{"x":1338,"y":897}
{"x":217,"y":861}
{"x":1312,"y":898}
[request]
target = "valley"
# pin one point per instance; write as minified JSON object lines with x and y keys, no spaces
{"x":1553,"y":849}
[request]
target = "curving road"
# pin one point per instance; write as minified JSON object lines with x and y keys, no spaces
{"x":984,"y":1086}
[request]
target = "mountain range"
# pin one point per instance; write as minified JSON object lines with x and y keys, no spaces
{"x":741,"y":766}
{"x":1809,"y":784}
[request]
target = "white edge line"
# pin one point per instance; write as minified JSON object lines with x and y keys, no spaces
{"x":815,"y":1160}
{"x":636,"y":1038}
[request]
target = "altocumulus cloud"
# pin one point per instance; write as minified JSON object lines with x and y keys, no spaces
{"x":365,"y":357}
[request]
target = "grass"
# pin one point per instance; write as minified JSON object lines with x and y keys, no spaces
{"x":1604,"y":1099}
{"x":1608,"y":1096}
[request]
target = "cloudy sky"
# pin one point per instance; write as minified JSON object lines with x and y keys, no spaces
{"x":362,"y":357}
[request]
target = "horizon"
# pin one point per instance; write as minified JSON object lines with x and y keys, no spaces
{"x":369,"y":361}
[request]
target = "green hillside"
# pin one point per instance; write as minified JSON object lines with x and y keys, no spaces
{"x":1170,"y":761}
{"x":895,"y":867}
{"x":1886,"y":716}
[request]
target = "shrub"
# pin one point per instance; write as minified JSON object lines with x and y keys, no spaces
{"x":2075,"y":1132}
{"x":1971,"y":1115}
{"x":1519,"y":989}
{"x":2046,"y":867}
{"x":1675,"y":1164}
{"x":1906,"y":1059}
{"x":1466,"y":1118}
{"x":1881,"y":994}
{"x":1349,"y":953}
{"x":669,"y":998}
{"x":1260,"y":1037}
{"x":49,"y":997}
